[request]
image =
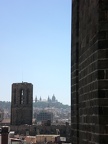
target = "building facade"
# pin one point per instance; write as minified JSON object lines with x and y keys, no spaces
{"x":44,"y":116}
{"x":89,"y":71}
{"x":22,"y":103}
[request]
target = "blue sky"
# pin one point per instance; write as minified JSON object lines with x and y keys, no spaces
{"x":35,"y":45}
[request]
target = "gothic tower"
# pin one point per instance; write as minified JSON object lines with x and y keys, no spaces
{"x":89,"y":72}
{"x":21,"y":103}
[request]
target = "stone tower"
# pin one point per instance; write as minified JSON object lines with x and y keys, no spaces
{"x":89,"y":72}
{"x":21,"y":103}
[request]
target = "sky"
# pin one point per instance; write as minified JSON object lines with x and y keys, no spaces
{"x":35,"y":46}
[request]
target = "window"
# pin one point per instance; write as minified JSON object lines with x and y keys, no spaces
{"x":21,"y":96}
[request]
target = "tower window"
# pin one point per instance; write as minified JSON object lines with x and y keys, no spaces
{"x":22,"y":96}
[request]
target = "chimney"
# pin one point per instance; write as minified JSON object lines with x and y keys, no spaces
{"x":4,"y":131}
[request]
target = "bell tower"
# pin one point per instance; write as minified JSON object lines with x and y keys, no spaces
{"x":21,"y":103}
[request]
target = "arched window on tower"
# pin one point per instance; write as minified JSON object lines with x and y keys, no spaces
{"x":22,"y":96}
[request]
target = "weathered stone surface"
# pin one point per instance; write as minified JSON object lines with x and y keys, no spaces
{"x":89,"y":71}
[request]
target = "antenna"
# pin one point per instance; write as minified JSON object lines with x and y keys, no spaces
{"x":22,"y":77}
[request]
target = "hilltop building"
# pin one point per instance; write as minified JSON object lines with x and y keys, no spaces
{"x":48,"y":99}
{"x":35,"y":99}
{"x":89,"y":71}
{"x":21,"y":103}
{"x":53,"y":98}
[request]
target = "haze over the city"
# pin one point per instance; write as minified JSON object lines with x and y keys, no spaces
{"x":35,"y":45}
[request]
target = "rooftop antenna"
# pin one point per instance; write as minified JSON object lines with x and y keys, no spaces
{"x":22,"y":77}
{"x":22,"y":71}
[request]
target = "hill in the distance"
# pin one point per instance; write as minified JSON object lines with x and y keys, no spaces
{"x":42,"y":104}
{"x":39,"y":104}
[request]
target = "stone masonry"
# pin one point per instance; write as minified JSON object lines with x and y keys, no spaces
{"x":89,"y":72}
{"x":22,"y":103}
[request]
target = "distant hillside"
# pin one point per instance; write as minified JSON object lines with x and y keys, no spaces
{"x":42,"y":104}
{"x":39,"y":104}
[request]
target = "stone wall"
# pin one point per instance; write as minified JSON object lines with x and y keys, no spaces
{"x":74,"y":72}
{"x":90,"y":72}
